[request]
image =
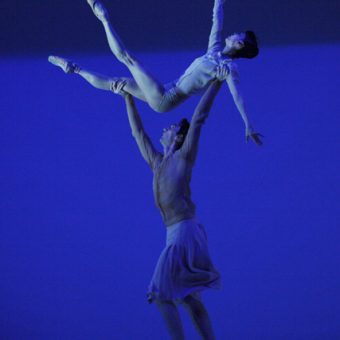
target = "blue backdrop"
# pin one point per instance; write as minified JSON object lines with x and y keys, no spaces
{"x":80,"y":235}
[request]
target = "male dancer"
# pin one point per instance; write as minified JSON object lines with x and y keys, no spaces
{"x":184,"y":267}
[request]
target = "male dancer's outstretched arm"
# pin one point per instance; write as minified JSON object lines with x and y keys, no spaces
{"x":190,"y":145}
{"x":148,"y":151}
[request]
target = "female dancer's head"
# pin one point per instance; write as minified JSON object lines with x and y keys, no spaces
{"x":241,"y":45}
{"x":175,"y":134}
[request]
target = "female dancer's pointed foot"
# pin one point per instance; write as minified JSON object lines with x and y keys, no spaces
{"x":99,"y":10}
{"x":66,"y":65}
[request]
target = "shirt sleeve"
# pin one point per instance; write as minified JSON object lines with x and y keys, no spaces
{"x":215,"y":38}
{"x":233,"y":81}
{"x":190,"y":146}
{"x":146,"y":148}
{"x":234,"y":74}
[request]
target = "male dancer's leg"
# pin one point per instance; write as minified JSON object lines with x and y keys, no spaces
{"x":172,"y":319}
{"x":153,"y":90}
{"x":199,"y":317}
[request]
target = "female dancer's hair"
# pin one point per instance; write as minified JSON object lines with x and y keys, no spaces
{"x":183,"y":130}
{"x":250,"y":48}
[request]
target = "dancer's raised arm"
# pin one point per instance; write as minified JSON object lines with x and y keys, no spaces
{"x":215,"y":39}
{"x":190,"y":145}
{"x":148,"y":151}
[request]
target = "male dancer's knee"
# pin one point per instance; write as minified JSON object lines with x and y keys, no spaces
{"x":194,"y":306}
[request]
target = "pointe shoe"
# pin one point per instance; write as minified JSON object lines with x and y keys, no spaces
{"x":99,"y":10}
{"x":66,"y":65}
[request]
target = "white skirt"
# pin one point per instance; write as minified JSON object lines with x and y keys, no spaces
{"x":184,"y":266}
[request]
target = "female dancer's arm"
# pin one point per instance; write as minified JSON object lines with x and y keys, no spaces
{"x":233,"y":82}
{"x":148,"y":151}
{"x":190,"y":146}
{"x":215,"y":39}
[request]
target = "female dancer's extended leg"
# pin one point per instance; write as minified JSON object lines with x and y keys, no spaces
{"x":152,"y":89}
{"x":99,"y":81}
{"x":116,"y":85}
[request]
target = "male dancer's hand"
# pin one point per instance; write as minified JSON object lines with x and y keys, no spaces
{"x":117,"y":87}
{"x":254,"y":136}
{"x":222,"y":72}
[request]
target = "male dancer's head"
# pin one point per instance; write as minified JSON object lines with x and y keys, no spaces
{"x":173,"y":137}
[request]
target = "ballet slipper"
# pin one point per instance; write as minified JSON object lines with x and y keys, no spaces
{"x":66,"y":65}
{"x":98,"y":9}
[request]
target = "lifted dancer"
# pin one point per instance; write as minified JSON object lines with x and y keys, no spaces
{"x":184,"y":267}
{"x":197,"y":77}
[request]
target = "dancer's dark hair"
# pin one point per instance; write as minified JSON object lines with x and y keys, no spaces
{"x":250,"y":48}
{"x":183,"y":130}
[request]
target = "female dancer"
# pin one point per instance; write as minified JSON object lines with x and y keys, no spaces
{"x":184,"y":267}
{"x":197,"y":77}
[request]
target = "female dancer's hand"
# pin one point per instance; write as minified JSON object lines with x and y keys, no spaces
{"x":254,"y":136}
